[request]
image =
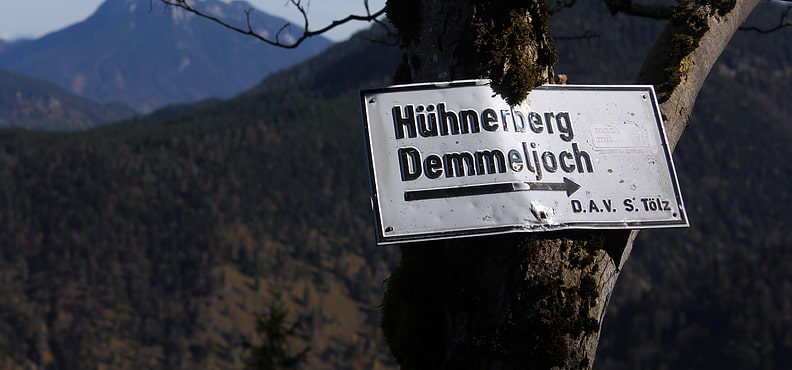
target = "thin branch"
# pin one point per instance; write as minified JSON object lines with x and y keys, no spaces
{"x":585,"y":36}
{"x":784,"y":22}
{"x":562,"y":4}
{"x":276,"y":41}
{"x":641,"y":10}
{"x":391,"y":36}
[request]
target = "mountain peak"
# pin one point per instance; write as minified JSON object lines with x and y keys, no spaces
{"x":146,"y":54}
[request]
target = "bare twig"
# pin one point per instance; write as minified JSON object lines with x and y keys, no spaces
{"x":391,"y":36}
{"x":276,"y":41}
{"x":562,"y":4}
{"x":783,"y":22}
{"x":585,"y":36}
{"x":648,"y":11}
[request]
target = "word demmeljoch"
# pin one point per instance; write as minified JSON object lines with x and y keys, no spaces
{"x":435,"y":120}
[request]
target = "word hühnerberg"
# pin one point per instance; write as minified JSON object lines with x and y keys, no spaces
{"x":412,"y":121}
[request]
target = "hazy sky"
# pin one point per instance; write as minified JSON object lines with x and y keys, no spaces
{"x":32,"y":19}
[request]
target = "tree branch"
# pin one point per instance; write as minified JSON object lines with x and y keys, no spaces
{"x":784,"y":22}
{"x":276,"y":41}
{"x":391,"y":36}
{"x":585,"y":36}
{"x":561,"y":4}
{"x":648,"y":11}
{"x":683,"y":56}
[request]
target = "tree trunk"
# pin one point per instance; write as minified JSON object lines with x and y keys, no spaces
{"x":517,"y":301}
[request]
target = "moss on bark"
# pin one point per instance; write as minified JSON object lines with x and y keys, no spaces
{"x":504,"y":41}
{"x":692,"y":17}
{"x":513,"y":46}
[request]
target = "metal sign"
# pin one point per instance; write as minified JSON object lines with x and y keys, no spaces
{"x":450,"y":160}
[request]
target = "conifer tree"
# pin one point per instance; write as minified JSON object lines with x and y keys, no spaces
{"x":273,"y":350}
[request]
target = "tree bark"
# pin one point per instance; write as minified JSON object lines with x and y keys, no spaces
{"x":517,"y":301}
{"x":677,"y":101}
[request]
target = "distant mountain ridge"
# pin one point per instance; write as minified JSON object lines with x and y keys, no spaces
{"x":33,"y":104}
{"x":147,"y":55}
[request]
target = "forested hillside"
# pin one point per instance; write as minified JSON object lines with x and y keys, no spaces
{"x":34,"y":104}
{"x":151,"y":243}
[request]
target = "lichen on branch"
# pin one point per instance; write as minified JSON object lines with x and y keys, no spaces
{"x":692,"y":17}
{"x":506,"y":41}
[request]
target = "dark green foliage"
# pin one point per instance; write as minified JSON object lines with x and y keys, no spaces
{"x":274,"y":332}
{"x":109,"y":238}
{"x":726,"y":312}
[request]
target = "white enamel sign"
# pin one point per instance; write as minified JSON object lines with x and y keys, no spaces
{"x":450,"y":160}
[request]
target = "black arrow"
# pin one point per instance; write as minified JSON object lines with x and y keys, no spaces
{"x":568,"y":185}
{"x":463,"y":191}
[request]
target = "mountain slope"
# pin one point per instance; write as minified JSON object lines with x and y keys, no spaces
{"x":145,"y":55}
{"x":152,"y":243}
{"x":33,"y":104}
